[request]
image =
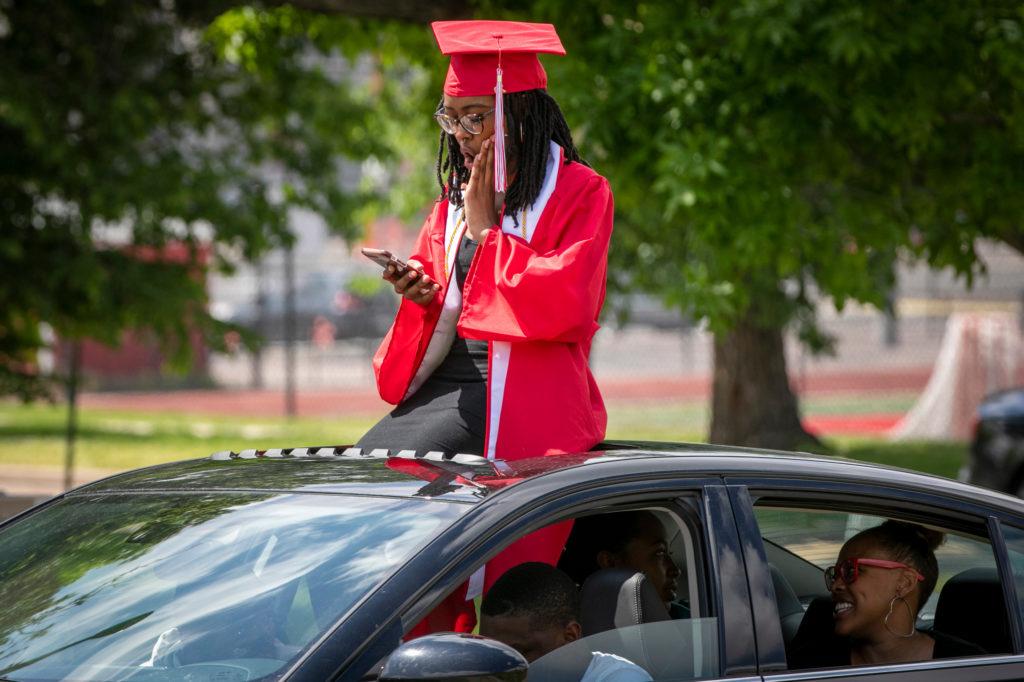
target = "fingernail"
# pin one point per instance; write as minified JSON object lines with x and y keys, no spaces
{"x":425,"y":291}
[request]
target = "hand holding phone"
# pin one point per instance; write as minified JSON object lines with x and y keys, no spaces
{"x":386,"y":260}
{"x":408,"y":279}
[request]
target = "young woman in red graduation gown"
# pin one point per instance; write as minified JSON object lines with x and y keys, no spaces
{"x":489,"y":351}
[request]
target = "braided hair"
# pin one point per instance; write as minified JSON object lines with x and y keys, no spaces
{"x":532,"y":118}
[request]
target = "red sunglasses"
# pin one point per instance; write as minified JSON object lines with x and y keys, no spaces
{"x":848,"y":570}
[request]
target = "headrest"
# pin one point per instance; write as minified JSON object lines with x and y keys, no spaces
{"x":971,"y":607}
{"x":619,"y":597}
{"x":785,"y":597}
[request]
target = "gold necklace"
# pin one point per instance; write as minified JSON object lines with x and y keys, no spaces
{"x":448,"y":249}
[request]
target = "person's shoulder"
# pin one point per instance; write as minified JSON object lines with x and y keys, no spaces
{"x":581,"y":175}
{"x":611,"y":668}
{"x":678,"y":610}
{"x":948,"y":646}
{"x":577,"y":180}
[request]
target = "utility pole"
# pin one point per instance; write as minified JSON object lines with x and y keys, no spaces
{"x":71,"y":432}
{"x":261,"y":329}
{"x":289,"y":331}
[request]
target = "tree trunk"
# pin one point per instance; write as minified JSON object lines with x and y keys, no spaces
{"x":752,"y":402}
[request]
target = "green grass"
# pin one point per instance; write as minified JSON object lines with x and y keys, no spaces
{"x":109,"y":439}
{"x":940,"y":458}
{"x":34,"y":435}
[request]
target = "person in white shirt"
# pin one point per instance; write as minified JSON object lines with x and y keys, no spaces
{"x":534,"y":608}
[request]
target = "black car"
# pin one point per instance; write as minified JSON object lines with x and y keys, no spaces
{"x":997,"y":450}
{"x":313,"y":563}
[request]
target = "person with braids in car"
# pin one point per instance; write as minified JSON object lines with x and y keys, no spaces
{"x":488,"y":353}
{"x":881,"y":579}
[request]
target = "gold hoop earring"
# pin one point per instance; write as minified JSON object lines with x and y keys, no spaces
{"x":885,"y":621}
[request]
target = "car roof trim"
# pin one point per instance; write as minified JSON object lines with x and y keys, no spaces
{"x":345,"y":452}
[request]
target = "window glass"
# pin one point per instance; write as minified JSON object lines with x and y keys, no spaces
{"x":1015,"y":549}
{"x":685,"y":649}
{"x":817,"y":536}
{"x":216,"y":586}
{"x":964,"y":616}
{"x":665,"y":551}
{"x":676,"y":639}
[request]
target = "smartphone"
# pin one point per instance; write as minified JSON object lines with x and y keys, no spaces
{"x":384,"y":258}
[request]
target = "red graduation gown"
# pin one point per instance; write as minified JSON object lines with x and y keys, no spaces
{"x":534,"y":292}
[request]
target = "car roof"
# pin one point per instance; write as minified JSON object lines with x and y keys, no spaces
{"x":470,"y":478}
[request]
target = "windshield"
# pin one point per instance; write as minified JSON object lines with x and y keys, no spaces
{"x":193,"y":586}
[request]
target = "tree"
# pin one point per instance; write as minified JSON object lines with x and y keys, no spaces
{"x":126,"y":127}
{"x":769,"y":152}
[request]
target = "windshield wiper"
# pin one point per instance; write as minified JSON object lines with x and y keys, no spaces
{"x":113,"y":629}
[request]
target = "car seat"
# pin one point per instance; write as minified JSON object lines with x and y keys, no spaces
{"x":618,"y":597}
{"x":617,"y":609}
{"x":972,"y":607}
{"x":791,"y":611}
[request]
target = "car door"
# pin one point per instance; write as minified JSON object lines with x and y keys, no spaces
{"x":379,"y":625}
{"x":803,"y":523}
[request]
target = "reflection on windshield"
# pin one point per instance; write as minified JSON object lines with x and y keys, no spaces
{"x":236,"y":585}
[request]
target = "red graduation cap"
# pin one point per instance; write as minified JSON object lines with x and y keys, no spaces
{"x":478,"y":48}
{"x":495,"y":57}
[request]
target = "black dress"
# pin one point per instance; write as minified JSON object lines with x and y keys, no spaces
{"x":834,"y":652}
{"x":449,"y":411}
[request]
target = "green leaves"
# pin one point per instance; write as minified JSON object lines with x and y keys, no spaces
{"x":796,"y":146}
{"x":140,"y":145}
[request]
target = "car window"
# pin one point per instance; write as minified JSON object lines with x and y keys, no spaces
{"x":1014,"y":538}
{"x":214,"y":586}
{"x":801,"y":543}
{"x":676,"y":638}
{"x":683,"y":649}
{"x":816,"y":536}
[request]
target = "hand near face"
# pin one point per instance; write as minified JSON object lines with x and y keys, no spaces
{"x":414,"y":285}
{"x":479,"y":198}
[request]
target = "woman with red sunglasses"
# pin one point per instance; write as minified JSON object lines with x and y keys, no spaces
{"x":881,"y":579}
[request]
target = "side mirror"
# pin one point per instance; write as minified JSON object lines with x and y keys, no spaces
{"x":454,"y":657}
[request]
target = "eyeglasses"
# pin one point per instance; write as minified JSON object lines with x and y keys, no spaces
{"x":471,"y":123}
{"x":848,"y":570}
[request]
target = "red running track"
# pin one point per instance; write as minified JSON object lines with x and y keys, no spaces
{"x":365,"y":402}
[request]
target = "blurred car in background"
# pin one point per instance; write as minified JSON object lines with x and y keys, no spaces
{"x":350,"y":304}
{"x":644,"y":310}
{"x":997,"y":451}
